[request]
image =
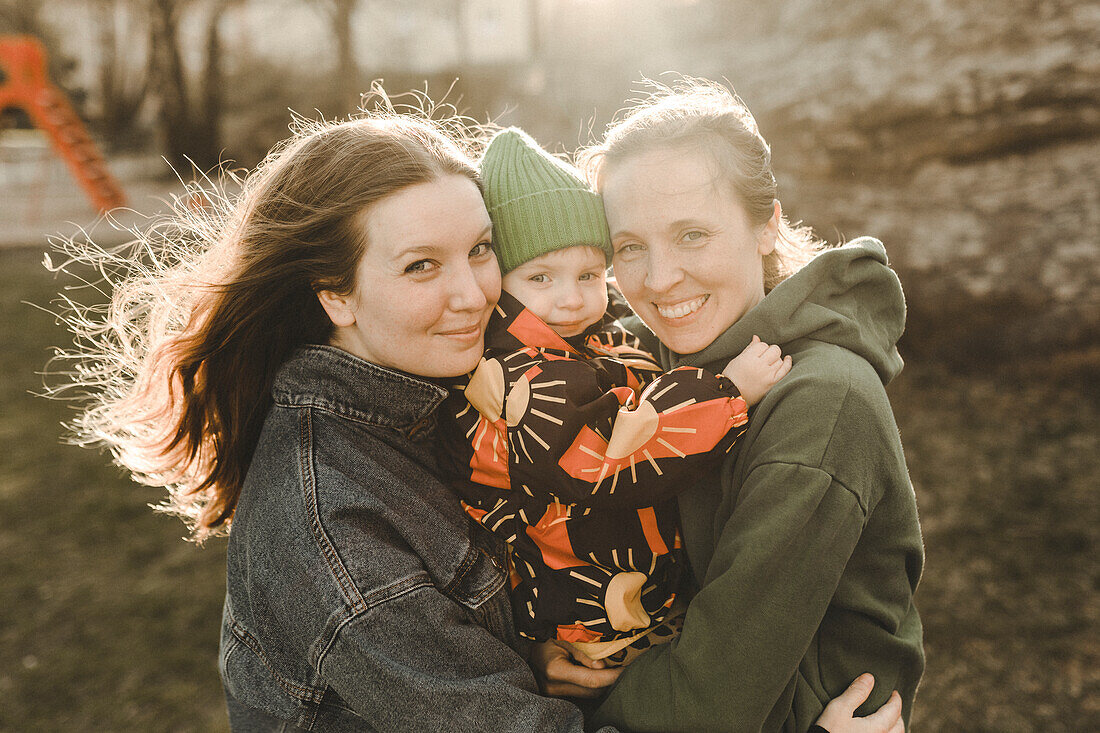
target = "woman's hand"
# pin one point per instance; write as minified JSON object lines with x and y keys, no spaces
{"x":562,"y":676}
{"x":838,"y":714}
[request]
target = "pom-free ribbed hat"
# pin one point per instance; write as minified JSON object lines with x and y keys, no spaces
{"x":537,"y":203}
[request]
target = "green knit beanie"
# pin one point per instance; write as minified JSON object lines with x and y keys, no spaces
{"x":538,"y":203}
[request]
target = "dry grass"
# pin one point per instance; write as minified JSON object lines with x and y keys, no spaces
{"x":1005,"y":464}
{"x":109,"y":622}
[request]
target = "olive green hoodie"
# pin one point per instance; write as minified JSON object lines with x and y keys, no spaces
{"x":805,"y":544}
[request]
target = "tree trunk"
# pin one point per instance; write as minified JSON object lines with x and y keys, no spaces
{"x":347,"y":70}
{"x":175,"y":116}
{"x":208,"y":145}
{"x":122,"y":94}
{"x":191,"y":126}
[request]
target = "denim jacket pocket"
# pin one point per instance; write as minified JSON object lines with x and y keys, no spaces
{"x":479,"y":584}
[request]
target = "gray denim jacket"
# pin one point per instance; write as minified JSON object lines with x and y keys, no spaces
{"x":359,"y":597}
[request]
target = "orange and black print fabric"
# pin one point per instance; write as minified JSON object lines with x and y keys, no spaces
{"x":573,"y":452}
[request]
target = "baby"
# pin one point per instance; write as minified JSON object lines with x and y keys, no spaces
{"x":570,"y":442}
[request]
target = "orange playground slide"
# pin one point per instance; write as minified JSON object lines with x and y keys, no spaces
{"x":23,"y":60}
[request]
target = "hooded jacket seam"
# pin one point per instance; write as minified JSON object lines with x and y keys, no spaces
{"x":836,"y":421}
{"x":831,"y":431}
{"x":830,"y":474}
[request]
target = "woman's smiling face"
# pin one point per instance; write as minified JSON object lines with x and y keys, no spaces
{"x":426,"y":283}
{"x":685,"y":254}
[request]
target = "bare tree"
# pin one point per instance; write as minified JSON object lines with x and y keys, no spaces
{"x":123,"y":86}
{"x":20,"y":16}
{"x":339,"y":14}
{"x":190,"y":122}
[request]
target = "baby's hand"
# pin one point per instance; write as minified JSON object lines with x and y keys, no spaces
{"x":757,"y":369}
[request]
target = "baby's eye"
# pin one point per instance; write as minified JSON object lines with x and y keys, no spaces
{"x":586,"y":276}
{"x":540,"y":278}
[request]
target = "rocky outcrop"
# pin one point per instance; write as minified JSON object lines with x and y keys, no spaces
{"x":966,"y":135}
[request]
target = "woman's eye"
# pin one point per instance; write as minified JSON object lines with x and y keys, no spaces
{"x":420,"y":266}
{"x":482,"y":248}
{"x":694,"y":236}
{"x":629,"y":248}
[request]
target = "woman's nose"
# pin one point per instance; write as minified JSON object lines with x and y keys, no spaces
{"x":466,"y":291}
{"x":662,"y":270}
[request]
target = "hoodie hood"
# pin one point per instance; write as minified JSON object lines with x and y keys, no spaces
{"x":847,"y":296}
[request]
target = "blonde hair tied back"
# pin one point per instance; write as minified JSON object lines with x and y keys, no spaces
{"x":708,"y":117}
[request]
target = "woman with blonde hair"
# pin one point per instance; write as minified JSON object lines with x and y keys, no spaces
{"x":276,"y":363}
{"x":805,"y":544}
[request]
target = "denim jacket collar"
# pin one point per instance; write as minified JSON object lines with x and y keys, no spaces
{"x":332,"y":379}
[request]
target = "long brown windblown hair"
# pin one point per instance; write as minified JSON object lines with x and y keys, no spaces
{"x":206,"y":306}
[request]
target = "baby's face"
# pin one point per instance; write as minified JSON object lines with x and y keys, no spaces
{"x":566,"y":288}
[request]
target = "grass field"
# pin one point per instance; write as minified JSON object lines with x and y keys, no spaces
{"x":109,"y":622}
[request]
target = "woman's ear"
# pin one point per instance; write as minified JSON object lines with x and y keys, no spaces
{"x":338,"y":307}
{"x":770,"y":231}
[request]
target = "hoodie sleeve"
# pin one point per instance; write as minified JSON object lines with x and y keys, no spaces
{"x":784,"y":533}
{"x":585,"y":444}
{"x":780,"y":558}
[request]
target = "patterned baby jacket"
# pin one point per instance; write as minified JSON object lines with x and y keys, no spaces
{"x":573,"y":452}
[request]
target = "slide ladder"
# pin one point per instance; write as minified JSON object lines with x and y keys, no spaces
{"x":23,"y":60}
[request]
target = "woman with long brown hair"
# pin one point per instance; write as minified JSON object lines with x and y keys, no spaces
{"x":271,"y":361}
{"x":276,"y":363}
